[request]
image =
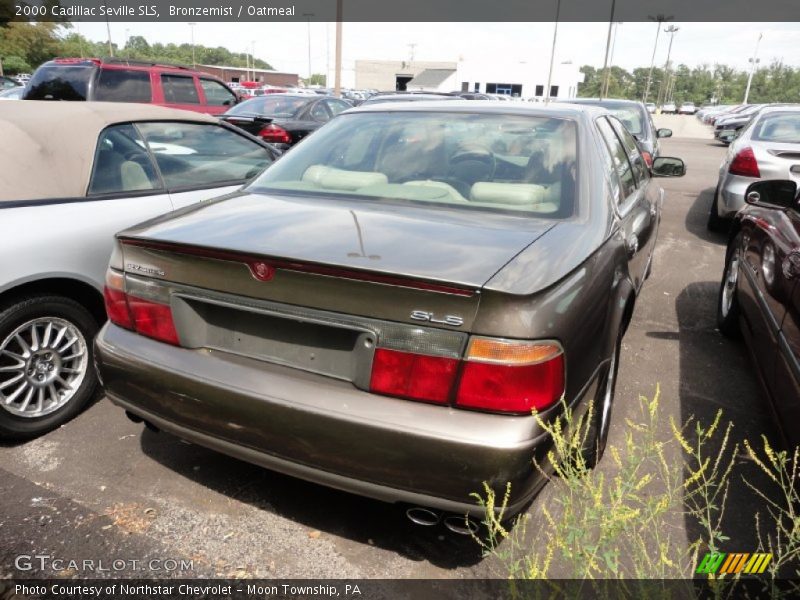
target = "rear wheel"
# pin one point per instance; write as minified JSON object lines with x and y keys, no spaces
{"x":46,"y":369}
{"x":728,"y":301}
{"x":601,"y":416}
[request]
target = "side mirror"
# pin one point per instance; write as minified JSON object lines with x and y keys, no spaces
{"x":664,"y":133}
{"x":667,"y":166}
{"x":772,"y":193}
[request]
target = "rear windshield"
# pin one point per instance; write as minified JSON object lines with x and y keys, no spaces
{"x":271,"y":105}
{"x":778,"y":127}
{"x":467,"y":161}
{"x":60,"y":82}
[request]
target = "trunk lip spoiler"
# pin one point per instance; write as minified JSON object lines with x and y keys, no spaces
{"x":257,"y":264}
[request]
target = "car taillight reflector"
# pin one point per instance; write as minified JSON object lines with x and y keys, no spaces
{"x":145,"y":317}
{"x":275,"y":134}
{"x":410,"y":375}
{"x":745,"y":164}
{"x":511,"y":376}
{"x":116,"y":301}
{"x":153,"y":320}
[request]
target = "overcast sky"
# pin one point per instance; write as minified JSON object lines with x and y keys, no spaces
{"x":285,"y":45}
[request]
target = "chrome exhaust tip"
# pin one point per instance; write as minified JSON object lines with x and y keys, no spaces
{"x":132,"y":417}
{"x":462,"y":525}
{"x":423,"y":516}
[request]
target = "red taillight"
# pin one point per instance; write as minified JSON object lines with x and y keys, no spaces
{"x":275,"y":134}
{"x":506,"y":376}
{"x":411,"y":375}
{"x":745,"y":164}
{"x":648,"y":158}
{"x":153,"y":320}
{"x":116,"y":300}
{"x":145,"y":317}
{"x":505,"y":388}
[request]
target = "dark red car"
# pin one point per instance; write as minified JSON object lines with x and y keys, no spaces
{"x":759,"y":297}
{"x":112,"y":80}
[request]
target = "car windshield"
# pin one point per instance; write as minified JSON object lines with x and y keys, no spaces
{"x":271,"y":105}
{"x":467,"y":161}
{"x":778,"y":127}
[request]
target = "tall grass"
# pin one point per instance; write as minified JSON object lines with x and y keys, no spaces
{"x":626,"y":520}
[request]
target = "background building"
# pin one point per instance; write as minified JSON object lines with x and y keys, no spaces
{"x":520,"y":78}
{"x":239,"y":74}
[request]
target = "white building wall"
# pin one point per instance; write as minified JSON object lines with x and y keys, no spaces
{"x":566,"y":77}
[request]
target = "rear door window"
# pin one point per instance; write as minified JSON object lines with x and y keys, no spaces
{"x":631,"y":147}
{"x":179,"y":89}
{"x":337,"y":106}
{"x":122,"y":163}
{"x":123,"y":85}
{"x":622,"y":165}
{"x":216,"y":93}
{"x":202,"y":155}
{"x":320,"y":113}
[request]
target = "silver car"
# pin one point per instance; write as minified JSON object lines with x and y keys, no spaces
{"x":72,"y":175}
{"x":767,"y":148}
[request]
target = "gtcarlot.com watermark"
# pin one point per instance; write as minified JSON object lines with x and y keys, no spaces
{"x":48,"y":562}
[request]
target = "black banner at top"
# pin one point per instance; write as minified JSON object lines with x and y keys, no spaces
{"x":399,"y":10}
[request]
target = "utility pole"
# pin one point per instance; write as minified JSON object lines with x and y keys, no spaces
{"x":659,"y":20}
{"x":753,"y":62}
{"x":194,"y":60}
{"x":127,"y":46}
{"x":552,"y":53}
{"x":604,"y":86}
{"x":308,"y":20}
{"x":337,"y":90}
{"x":108,"y":29}
{"x":671,"y":30}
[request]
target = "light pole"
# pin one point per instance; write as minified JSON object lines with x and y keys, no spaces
{"x":671,"y":30}
{"x":552,"y":53}
{"x":308,"y":20}
{"x":337,"y":89}
{"x":253,"y":58}
{"x":753,"y":62}
{"x":108,"y":30}
{"x":603,"y":87}
{"x":659,"y":20}
{"x":191,"y":28}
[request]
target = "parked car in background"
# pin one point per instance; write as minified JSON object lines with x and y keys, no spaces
{"x":636,"y":119}
{"x":669,"y":108}
{"x":767,"y":148}
{"x":284,"y":119}
{"x":14,"y":93}
{"x":687,"y":108}
{"x":472,"y":96}
{"x":403,"y":97}
{"x":75,"y":173}
{"x":759,"y":295}
{"x":727,"y":127}
{"x":7,"y":83}
{"x":651,"y":108}
{"x":384,"y":308}
{"x":117,"y":80}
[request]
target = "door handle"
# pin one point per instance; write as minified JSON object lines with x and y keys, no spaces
{"x":632,"y":245}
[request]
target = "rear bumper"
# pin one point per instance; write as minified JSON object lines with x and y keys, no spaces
{"x":731,"y":194}
{"x":323,"y":430}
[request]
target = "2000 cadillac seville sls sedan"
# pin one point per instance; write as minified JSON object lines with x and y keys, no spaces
{"x":383,"y":308}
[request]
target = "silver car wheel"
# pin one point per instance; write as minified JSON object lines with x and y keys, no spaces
{"x":731,"y":279}
{"x":42,"y":365}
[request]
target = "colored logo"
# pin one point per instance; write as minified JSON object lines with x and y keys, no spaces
{"x":732,"y":563}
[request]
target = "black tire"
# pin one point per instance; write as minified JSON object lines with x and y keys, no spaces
{"x":597,"y":435}
{"x":715,"y":222}
{"x":22,"y":311}
{"x":728,"y":311}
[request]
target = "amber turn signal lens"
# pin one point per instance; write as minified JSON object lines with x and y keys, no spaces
{"x":510,"y":352}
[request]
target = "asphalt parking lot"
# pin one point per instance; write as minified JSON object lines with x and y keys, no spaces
{"x":103,"y":488}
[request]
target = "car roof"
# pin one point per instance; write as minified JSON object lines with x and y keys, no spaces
{"x":556,"y":110}
{"x":59,"y":138}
